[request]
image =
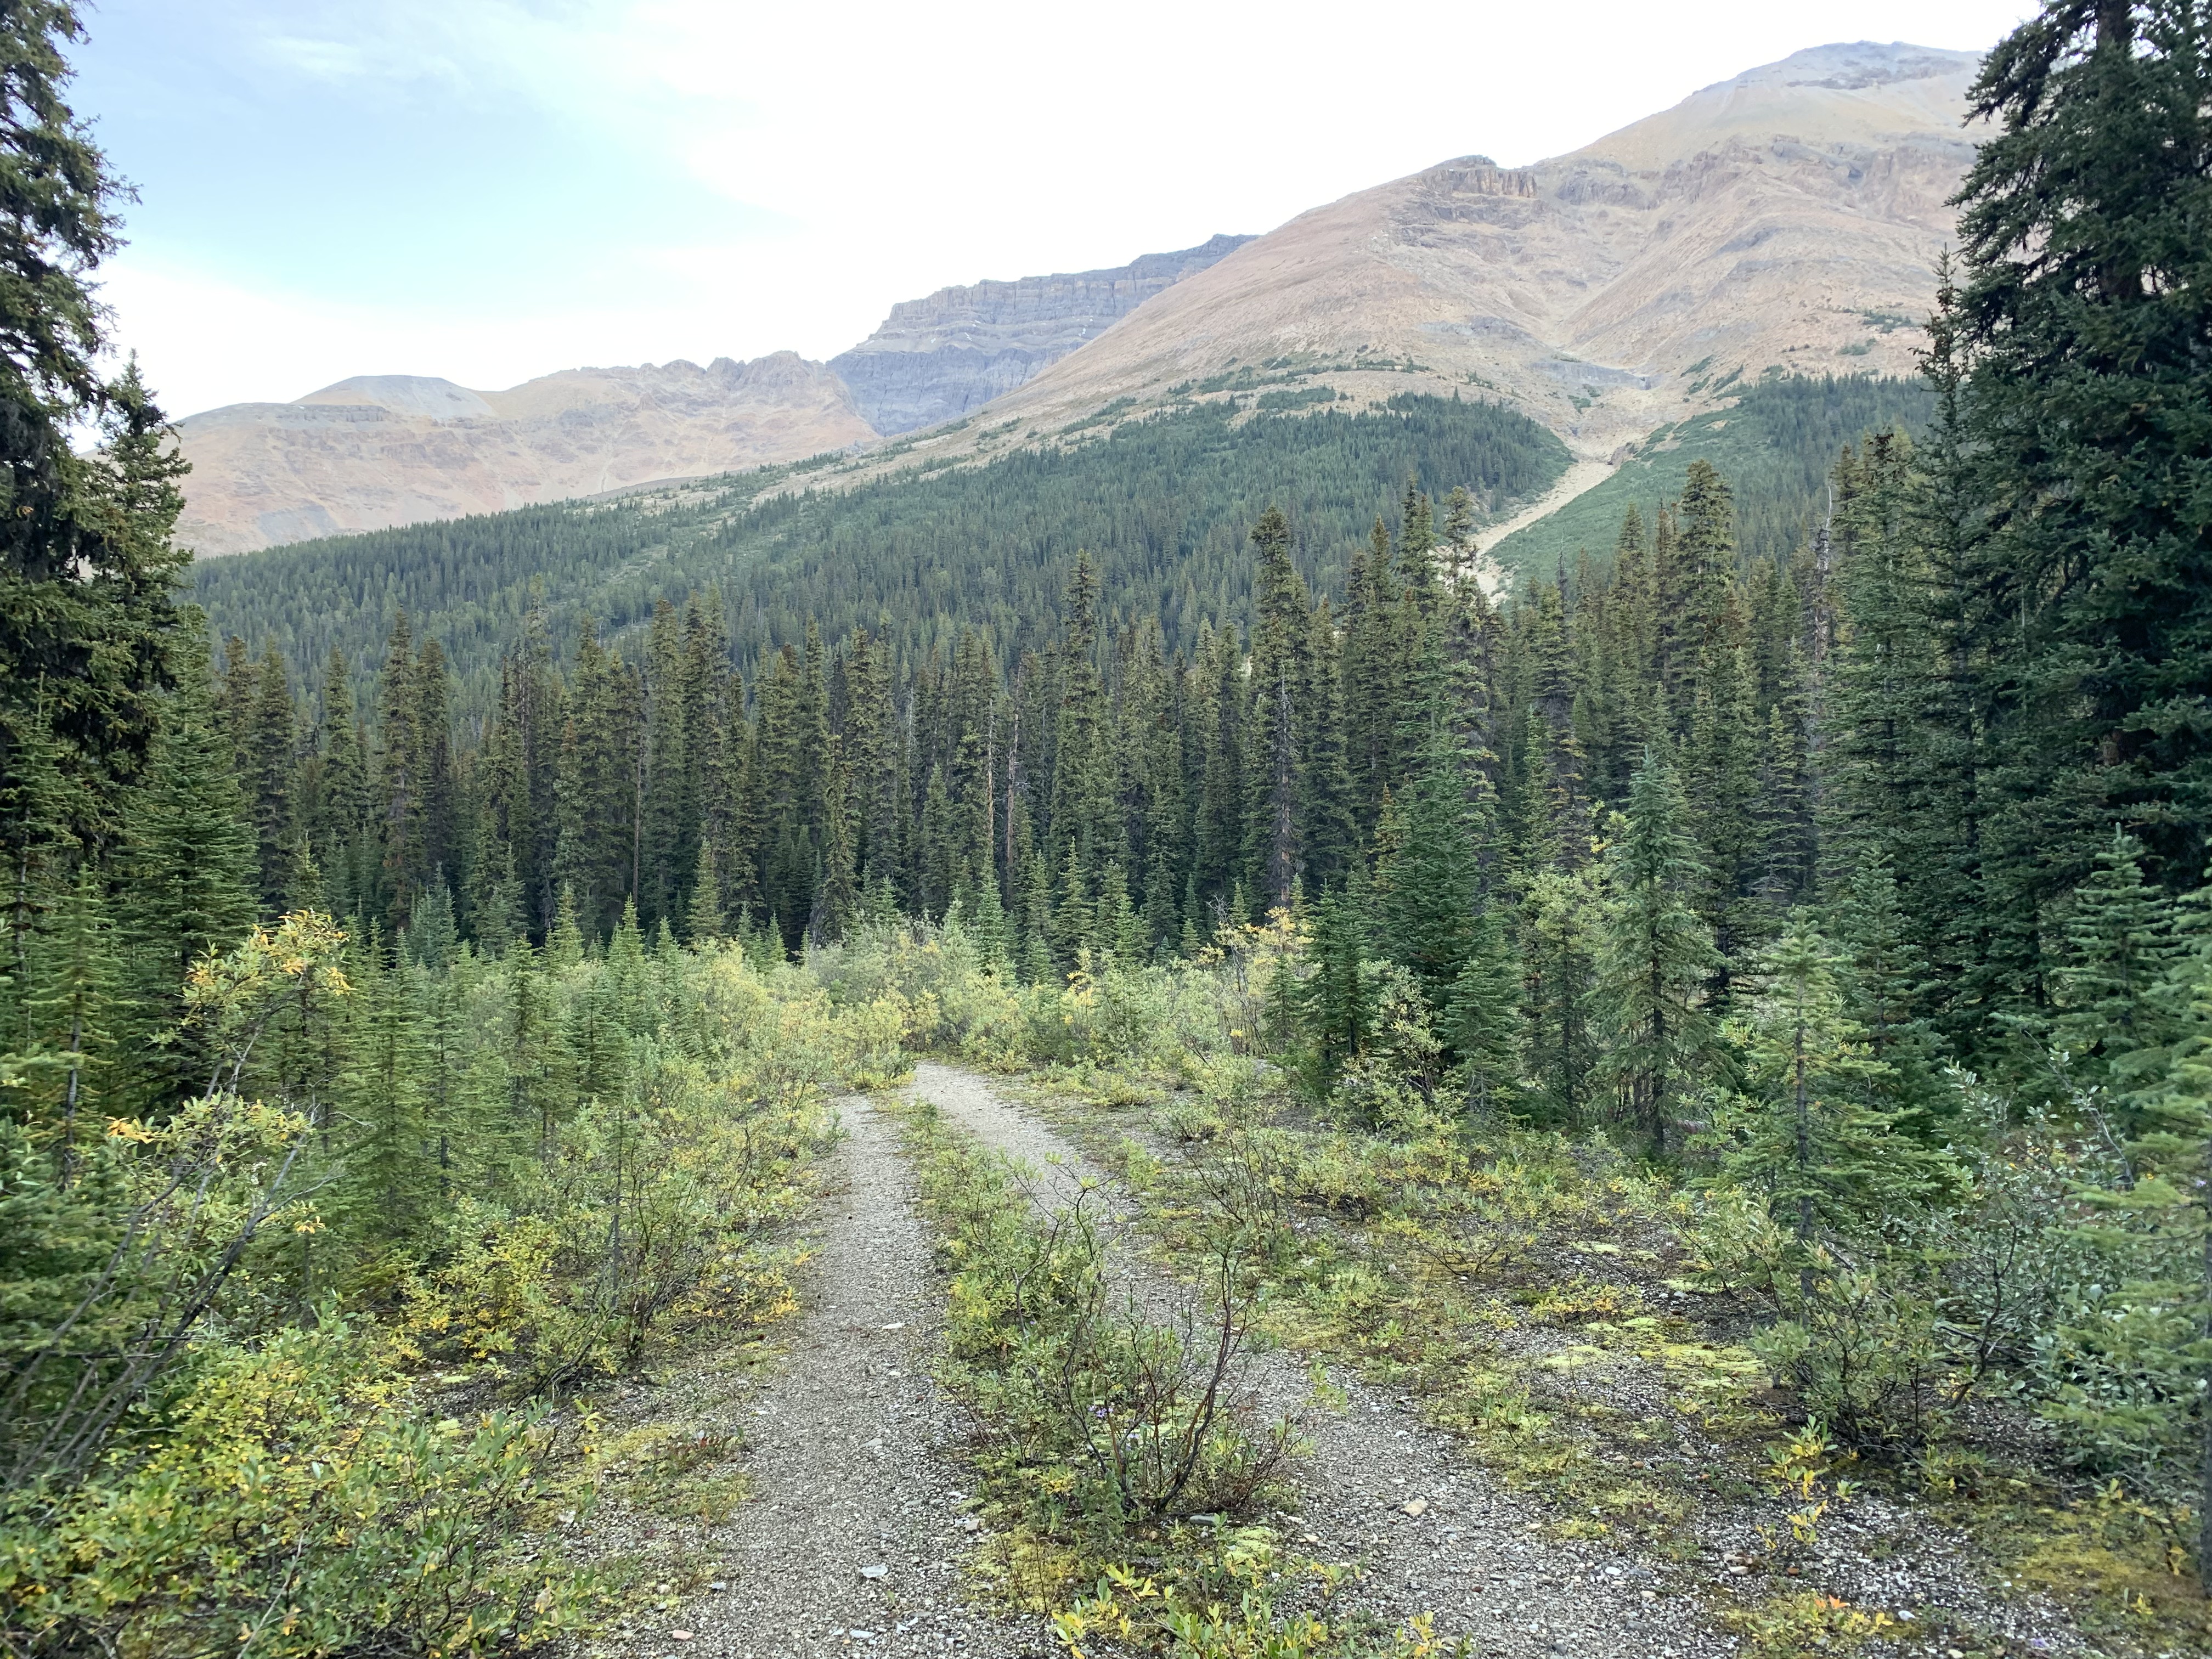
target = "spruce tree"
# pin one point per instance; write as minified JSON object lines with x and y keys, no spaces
{"x":1559,"y":943}
{"x":707,"y":922}
{"x":188,"y":867}
{"x":2083,"y":316}
{"x":1656,"y":957}
{"x":1886,"y":975}
{"x":87,"y":564}
{"x":1336,"y":1006}
{"x":266,"y":775}
{"x":2118,"y":947}
{"x":2133,"y":1354}
{"x":387,"y":1173}
{"x":1805,"y":1125}
{"x":1277,"y":733}
{"x":1481,"y":1021}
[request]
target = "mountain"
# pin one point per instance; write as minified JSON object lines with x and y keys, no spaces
{"x":388,"y":449}
{"x":935,"y":359}
{"x":1785,"y":222}
{"x":378,"y":450}
{"x":1787,"y":219}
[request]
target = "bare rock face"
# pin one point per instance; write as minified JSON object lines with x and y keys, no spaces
{"x":387,"y":449}
{"x":935,"y":359}
{"x":1790,"y":218}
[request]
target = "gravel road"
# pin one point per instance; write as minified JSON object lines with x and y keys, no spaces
{"x":1434,"y":1533}
{"x":853,"y":1540}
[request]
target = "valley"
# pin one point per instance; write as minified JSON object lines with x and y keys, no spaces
{"x":1478,"y":930}
{"x":1785,"y":221}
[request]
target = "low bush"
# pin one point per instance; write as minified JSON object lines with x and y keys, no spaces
{"x":301,"y":1498}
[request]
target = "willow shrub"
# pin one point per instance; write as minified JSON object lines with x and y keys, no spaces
{"x":301,"y":1498}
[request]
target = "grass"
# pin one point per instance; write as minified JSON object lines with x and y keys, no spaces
{"x":1529,"y":1294}
{"x":1514,"y":1288}
{"x":1775,"y":443}
{"x":1200,"y":1570}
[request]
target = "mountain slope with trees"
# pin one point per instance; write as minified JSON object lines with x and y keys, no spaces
{"x":1770,"y":975}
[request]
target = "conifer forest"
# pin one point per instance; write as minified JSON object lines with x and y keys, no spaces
{"x":1716,"y":1024}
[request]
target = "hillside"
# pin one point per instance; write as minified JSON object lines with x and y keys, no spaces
{"x":1787,"y":219}
{"x":380,"y":450}
{"x":1164,"y":504}
{"x":935,"y":359}
{"x":1775,"y":444}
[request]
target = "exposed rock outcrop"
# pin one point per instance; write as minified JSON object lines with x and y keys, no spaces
{"x":1789,"y":217}
{"x":387,"y":449}
{"x":937,"y":358}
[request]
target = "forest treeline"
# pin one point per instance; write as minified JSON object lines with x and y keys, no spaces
{"x":385,"y":1062}
{"x":1161,"y":503}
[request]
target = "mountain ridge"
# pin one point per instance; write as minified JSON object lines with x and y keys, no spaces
{"x":936,"y":358}
{"x":1592,"y":289}
{"x":1786,"y":219}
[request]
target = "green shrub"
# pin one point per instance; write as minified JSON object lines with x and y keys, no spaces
{"x":301,"y":1501}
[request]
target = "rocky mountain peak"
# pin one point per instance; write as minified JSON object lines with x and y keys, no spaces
{"x":936,"y":358}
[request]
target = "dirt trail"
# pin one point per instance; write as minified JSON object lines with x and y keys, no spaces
{"x":1437,"y":1535}
{"x":849,"y":1454}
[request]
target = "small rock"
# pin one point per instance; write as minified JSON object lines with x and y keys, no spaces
{"x":872,"y":1574}
{"x":679,"y":1636}
{"x":969,"y":1523}
{"x":719,"y":1585}
{"x":1417,"y":1507}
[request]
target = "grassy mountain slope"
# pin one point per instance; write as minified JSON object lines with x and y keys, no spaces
{"x":1163,"y":502}
{"x":1774,"y":445}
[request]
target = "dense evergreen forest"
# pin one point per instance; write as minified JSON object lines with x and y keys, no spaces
{"x":1161,"y":504}
{"x":401,"y":1042}
{"x":1775,"y":439}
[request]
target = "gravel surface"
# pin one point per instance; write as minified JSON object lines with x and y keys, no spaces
{"x":856,"y":1528}
{"x":1434,"y":1533}
{"x":853,"y":1539}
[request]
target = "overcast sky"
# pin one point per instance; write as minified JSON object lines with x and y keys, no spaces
{"x":488,"y":189}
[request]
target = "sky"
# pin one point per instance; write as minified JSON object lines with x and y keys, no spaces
{"x":490,"y":190}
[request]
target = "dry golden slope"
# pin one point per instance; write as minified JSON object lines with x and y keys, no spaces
{"x":1790,"y":216}
{"x":383,"y":450}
